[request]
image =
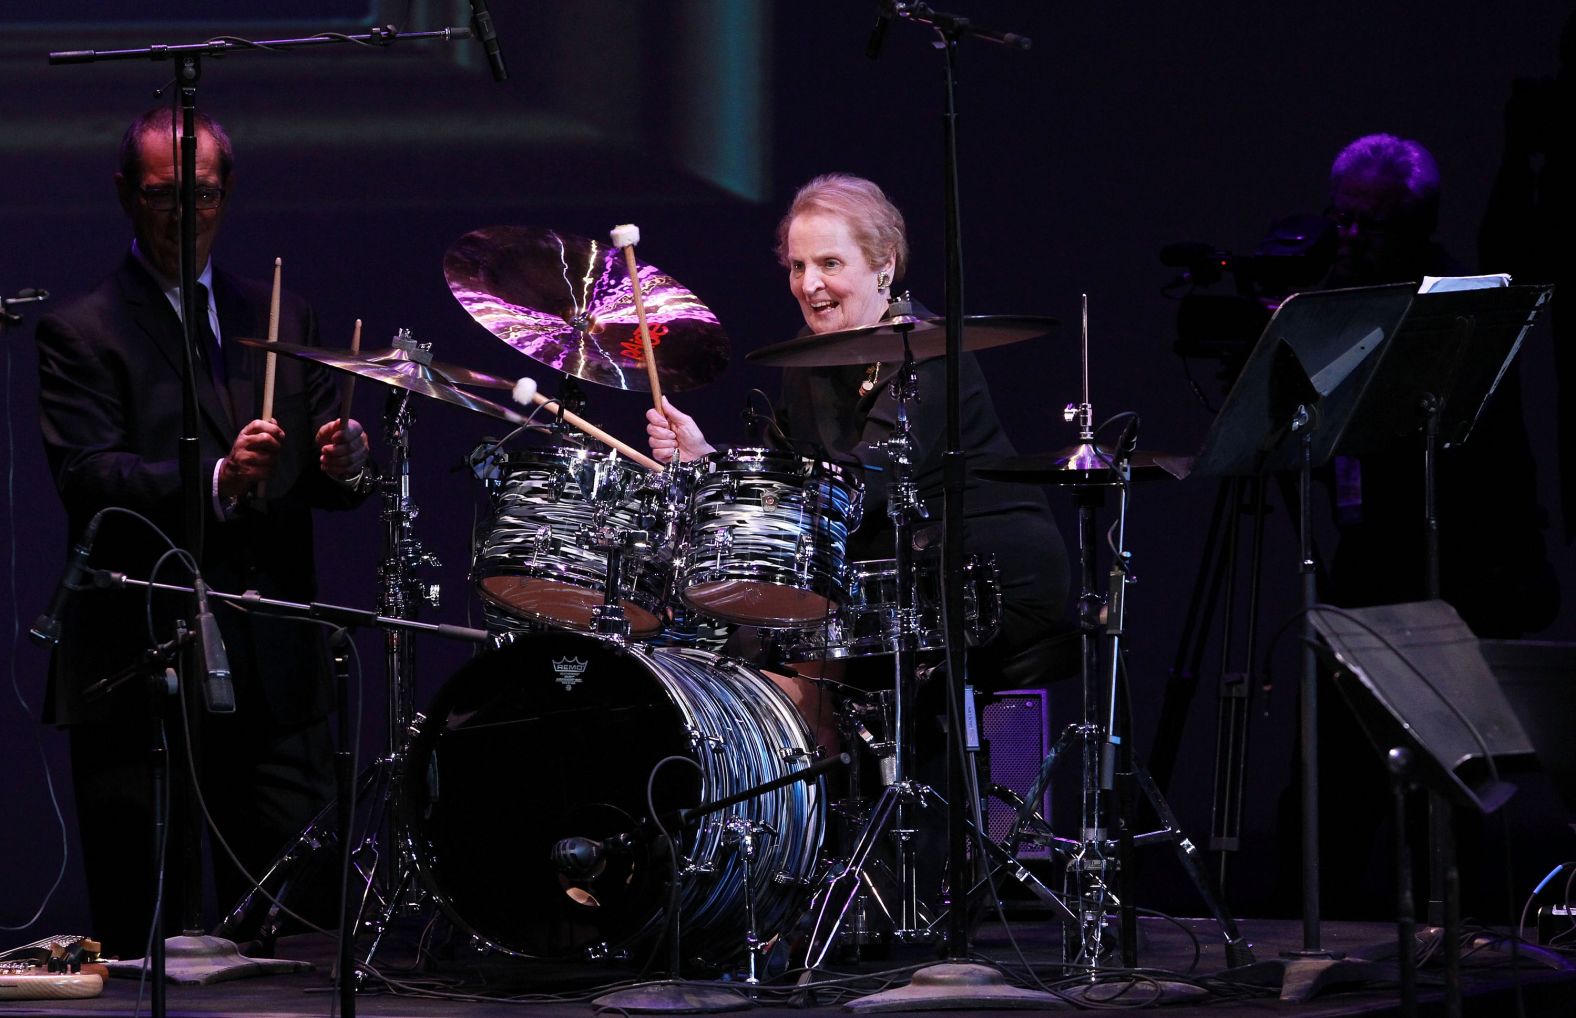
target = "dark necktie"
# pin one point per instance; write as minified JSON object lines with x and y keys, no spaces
{"x":212,"y":353}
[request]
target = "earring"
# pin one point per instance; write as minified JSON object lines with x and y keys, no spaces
{"x":883,"y":281}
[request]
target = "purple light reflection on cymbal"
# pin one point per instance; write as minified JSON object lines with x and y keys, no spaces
{"x":565,"y":301}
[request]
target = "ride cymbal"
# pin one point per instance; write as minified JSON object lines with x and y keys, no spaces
{"x":927,"y":338}
{"x":565,"y":301}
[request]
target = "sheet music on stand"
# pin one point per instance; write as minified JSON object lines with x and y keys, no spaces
{"x":1364,"y":359}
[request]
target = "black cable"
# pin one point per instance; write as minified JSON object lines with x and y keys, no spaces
{"x":673,"y":862}
{"x":16,"y":686}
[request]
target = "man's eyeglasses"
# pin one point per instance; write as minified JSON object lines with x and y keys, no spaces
{"x":166,"y":199}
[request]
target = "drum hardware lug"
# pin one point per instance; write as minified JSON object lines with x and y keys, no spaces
{"x":730,"y":488}
{"x":697,"y":737}
{"x":791,"y":753}
{"x":722,"y":544}
{"x":540,"y":541}
{"x":801,"y":559}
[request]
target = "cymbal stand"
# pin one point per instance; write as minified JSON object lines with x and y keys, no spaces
{"x":897,"y":895}
{"x":385,"y":858}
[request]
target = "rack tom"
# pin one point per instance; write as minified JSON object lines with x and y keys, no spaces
{"x":537,"y":559}
{"x":765,"y":543}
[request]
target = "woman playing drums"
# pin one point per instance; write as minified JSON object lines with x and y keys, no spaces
{"x":844,"y":246}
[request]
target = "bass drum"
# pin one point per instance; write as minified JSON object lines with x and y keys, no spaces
{"x":526,"y":797}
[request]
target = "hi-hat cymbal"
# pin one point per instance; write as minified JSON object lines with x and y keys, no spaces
{"x":927,"y":338}
{"x":405,"y":367}
{"x":566,"y":301}
{"x":1081,"y":465}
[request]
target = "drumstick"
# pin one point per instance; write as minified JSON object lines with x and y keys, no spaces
{"x":525,"y":392}
{"x":268,"y":362}
{"x":626,"y":237}
{"x":273,"y":337}
{"x":350,"y":380}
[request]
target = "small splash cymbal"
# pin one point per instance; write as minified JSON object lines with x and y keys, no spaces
{"x":927,"y":338}
{"x":566,"y":301}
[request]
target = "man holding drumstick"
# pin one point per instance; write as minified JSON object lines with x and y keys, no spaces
{"x":110,"y":373}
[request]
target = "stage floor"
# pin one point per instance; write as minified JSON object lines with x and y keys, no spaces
{"x":1184,"y":957}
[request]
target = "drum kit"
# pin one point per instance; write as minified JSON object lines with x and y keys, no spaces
{"x":609,"y":583}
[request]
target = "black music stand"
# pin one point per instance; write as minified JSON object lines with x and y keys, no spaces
{"x":1416,"y":676}
{"x":1358,"y":371}
{"x":1422,"y":689}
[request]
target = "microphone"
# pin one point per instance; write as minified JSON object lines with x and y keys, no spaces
{"x":754,"y":424}
{"x":878,"y":33}
{"x":1128,"y":443}
{"x":481,"y":21}
{"x":46,"y":628}
{"x":586,"y":858}
{"x":218,"y":693}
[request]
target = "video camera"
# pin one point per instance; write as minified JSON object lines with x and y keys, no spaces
{"x":1295,"y":254}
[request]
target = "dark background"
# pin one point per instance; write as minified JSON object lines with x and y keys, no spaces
{"x":1127,"y":125}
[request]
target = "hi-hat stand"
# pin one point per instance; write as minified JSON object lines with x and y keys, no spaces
{"x":1110,"y":767}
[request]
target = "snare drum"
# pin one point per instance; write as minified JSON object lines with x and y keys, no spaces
{"x":526,"y":798}
{"x":766,"y":539}
{"x":869,"y":623}
{"x":533,"y":562}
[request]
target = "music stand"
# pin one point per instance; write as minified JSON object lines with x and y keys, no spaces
{"x":1357,"y":371}
{"x":1422,"y":689}
{"x":1416,"y":676}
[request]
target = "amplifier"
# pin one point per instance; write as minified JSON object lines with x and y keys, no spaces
{"x":1015,"y":732}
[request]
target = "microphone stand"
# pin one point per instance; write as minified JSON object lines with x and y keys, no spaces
{"x":204,"y":952}
{"x":672,"y":995}
{"x":955,"y":982}
{"x":194,"y":496}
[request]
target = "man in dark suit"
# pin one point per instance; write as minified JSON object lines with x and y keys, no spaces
{"x":110,"y":372}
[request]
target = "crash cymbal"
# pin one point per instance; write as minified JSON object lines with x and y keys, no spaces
{"x":1079,"y":465}
{"x":927,"y":338}
{"x":566,"y":301}
{"x":404,"y":366}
